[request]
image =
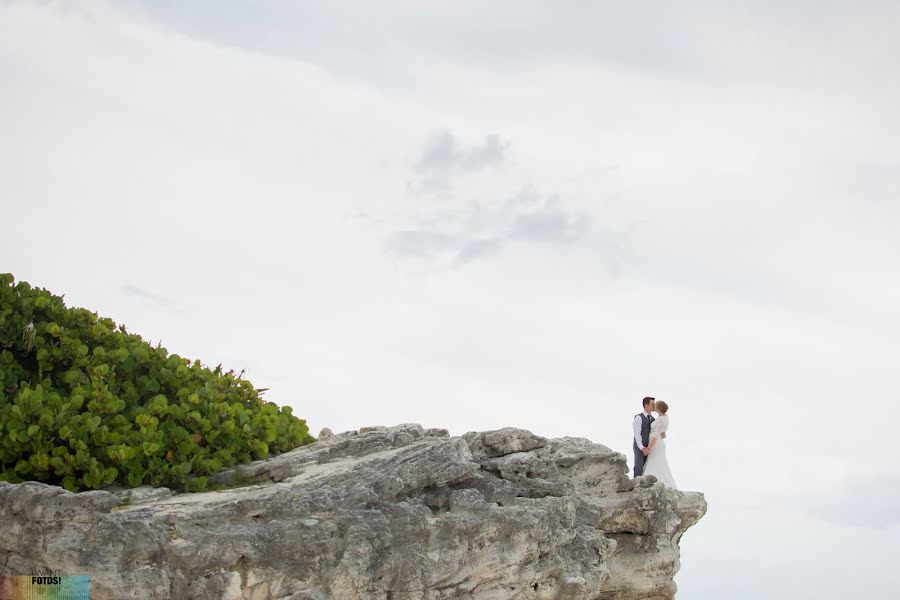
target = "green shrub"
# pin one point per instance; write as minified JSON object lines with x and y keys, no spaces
{"x":84,"y":403}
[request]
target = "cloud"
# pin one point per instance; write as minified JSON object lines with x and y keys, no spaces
{"x":443,"y":152}
{"x":419,"y":244}
{"x":150,"y":299}
{"x":133,"y":290}
{"x":552,"y":223}
{"x":476,"y":217}
{"x":461,"y":235}
{"x":444,"y":159}
{"x":476,"y":249}
{"x":390,"y":42}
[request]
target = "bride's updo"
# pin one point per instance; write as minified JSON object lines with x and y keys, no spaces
{"x":661,"y":407}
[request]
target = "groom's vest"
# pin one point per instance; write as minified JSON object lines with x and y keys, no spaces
{"x":645,"y":428}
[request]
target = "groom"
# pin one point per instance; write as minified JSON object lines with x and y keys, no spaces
{"x":641,"y":427}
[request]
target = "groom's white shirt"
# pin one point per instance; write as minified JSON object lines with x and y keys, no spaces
{"x":637,"y":430}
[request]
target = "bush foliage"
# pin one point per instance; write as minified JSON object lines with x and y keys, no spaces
{"x":84,"y":403}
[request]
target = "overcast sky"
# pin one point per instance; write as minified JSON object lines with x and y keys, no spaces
{"x":481,"y":214}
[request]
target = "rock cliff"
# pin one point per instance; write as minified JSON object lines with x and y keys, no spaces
{"x":383,"y":513}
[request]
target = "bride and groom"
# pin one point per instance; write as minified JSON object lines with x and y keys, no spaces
{"x":650,"y":442}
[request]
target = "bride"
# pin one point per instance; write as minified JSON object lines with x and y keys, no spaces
{"x":657,"y":464}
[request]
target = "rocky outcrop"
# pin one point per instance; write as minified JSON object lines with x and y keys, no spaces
{"x":383,"y":513}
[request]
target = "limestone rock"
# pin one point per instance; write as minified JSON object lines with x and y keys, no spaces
{"x":383,"y":513}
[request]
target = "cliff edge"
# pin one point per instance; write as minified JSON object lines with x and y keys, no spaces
{"x":383,"y":513}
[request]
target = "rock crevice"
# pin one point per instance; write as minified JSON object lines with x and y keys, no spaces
{"x":397,"y":513}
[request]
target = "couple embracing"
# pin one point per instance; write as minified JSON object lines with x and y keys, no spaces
{"x":650,"y":442}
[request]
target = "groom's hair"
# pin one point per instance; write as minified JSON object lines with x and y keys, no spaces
{"x":648,"y":400}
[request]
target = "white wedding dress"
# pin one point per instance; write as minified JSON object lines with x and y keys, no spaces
{"x":657,"y":464}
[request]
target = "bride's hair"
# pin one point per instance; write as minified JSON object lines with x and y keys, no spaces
{"x":662,"y":407}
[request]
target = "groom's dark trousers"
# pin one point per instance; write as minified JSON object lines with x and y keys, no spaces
{"x":639,"y":457}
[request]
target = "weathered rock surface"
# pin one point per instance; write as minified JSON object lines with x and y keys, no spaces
{"x":383,"y":513}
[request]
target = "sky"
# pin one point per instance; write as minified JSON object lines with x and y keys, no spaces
{"x":475,"y":215}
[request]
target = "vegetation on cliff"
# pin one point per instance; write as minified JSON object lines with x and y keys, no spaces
{"x":84,"y":403}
